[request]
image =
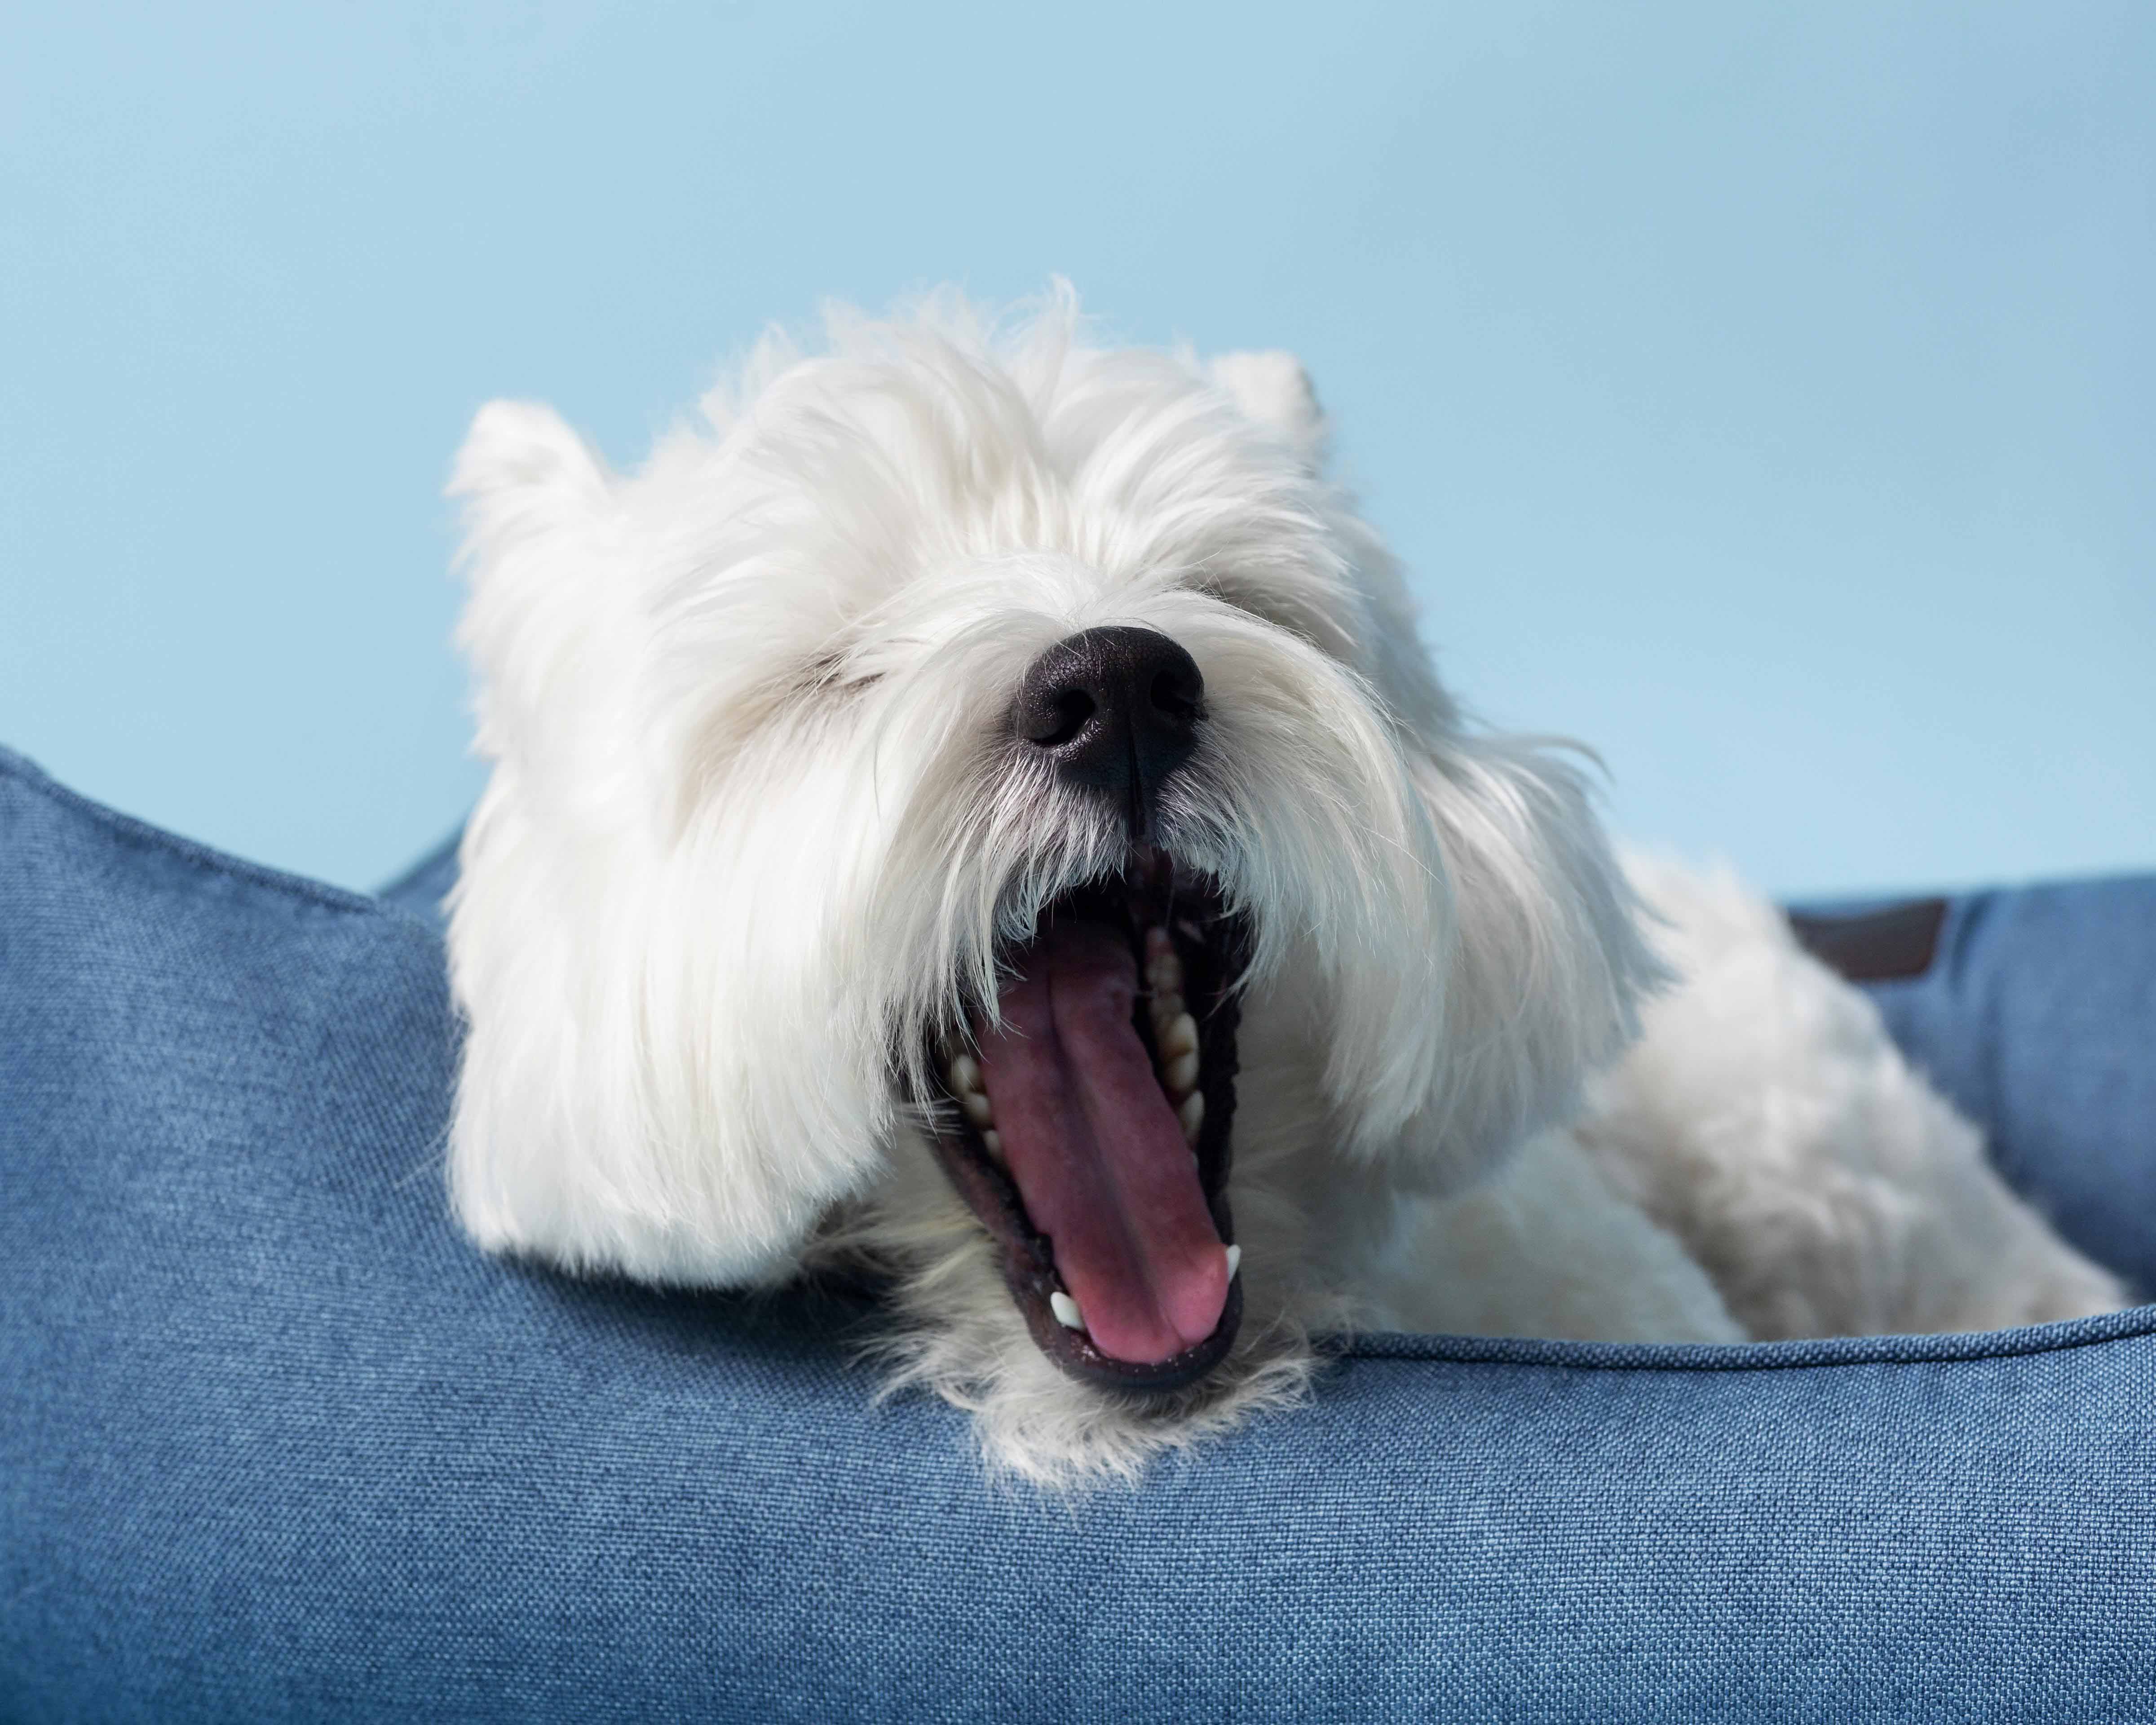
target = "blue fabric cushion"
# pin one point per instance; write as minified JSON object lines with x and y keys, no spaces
{"x":2038,"y":1017}
{"x":274,"y":1443}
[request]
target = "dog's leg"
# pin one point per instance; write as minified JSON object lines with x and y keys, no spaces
{"x":1545,"y":1247}
{"x":1769,"y":1121}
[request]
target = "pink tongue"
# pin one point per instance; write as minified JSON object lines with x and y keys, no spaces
{"x":1098,"y":1155}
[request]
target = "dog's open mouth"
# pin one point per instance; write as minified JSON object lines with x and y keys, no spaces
{"x":1089,"y":1130}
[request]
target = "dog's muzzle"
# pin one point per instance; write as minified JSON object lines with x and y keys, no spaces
{"x":1086,"y":1120}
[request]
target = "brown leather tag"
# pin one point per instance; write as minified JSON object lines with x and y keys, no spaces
{"x":1877,"y":946}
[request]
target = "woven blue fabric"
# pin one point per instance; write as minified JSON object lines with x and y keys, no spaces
{"x":2038,"y":1018}
{"x":274,"y":1443}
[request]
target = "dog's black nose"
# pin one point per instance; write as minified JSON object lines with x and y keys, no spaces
{"x":1117,"y":710}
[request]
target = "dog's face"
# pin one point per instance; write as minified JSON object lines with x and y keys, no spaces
{"x":985,"y":744}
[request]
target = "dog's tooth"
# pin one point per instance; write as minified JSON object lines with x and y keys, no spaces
{"x":1066,"y":1310}
{"x":1164,"y":969}
{"x":1181,"y":1073}
{"x":977,"y":1108}
{"x":1235,"y":1260}
{"x":1192,"y":1114}
{"x":964,"y":1073}
{"x":1179,"y":1036}
{"x":991,"y":1140}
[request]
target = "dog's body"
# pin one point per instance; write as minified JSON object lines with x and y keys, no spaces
{"x":979,"y":807}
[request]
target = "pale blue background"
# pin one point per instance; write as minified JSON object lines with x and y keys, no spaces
{"x":1764,"y":394}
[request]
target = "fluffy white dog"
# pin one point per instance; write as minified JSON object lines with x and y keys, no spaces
{"x":977,"y":804}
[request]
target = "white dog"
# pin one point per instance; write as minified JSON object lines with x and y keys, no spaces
{"x":977,"y":804}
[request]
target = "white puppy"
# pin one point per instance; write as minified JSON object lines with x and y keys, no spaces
{"x":977,"y":804}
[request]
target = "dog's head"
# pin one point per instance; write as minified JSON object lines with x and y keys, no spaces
{"x":948,"y":741}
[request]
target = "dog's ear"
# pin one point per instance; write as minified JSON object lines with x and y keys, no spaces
{"x":633,"y":1096}
{"x":522,"y":449}
{"x":525,"y":479}
{"x":1274,"y":390}
{"x":535,"y":497}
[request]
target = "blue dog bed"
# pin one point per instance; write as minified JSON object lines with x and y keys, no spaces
{"x":276,"y":1443}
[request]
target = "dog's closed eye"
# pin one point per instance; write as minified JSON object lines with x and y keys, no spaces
{"x":833,"y":674}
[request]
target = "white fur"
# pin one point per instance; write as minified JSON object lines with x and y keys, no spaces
{"x":755,"y":818}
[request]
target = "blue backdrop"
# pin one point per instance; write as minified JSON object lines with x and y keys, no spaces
{"x":1767,"y":397}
